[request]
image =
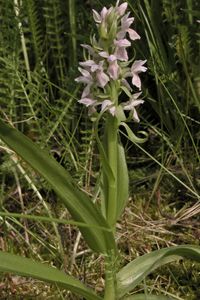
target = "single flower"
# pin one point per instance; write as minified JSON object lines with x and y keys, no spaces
{"x":120,"y":50}
{"x":131,"y":104}
{"x":113,"y":68}
{"x":87,"y":101}
{"x":137,"y":67}
{"x":108,"y":105}
{"x":101,"y":77}
{"x":86,"y":78}
{"x":120,"y":9}
{"x":99,"y":18}
{"x":125,"y":24}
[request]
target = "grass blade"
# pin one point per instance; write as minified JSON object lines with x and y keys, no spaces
{"x":147,"y":297}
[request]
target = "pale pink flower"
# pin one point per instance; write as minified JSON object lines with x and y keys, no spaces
{"x":126,"y":21}
{"x":113,"y":69}
{"x":99,"y":18}
{"x":122,"y":43}
{"x":131,"y":104}
{"x":87,"y":101}
{"x":108,"y":105}
{"x":106,"y":65}
{"x":120,"y":50}
{"x":86,"y":78}
{"x":137,"y":67}
{"x":90,"y":65}
{"x":125,"y":24}
{"x":121,"y":8}
{"x":86,"y":91}
{"x":101,"y":77}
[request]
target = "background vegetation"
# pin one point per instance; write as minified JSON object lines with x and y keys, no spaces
{"x":39,"y":53}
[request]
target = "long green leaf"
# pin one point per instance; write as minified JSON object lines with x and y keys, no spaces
{"x":147,"y":297}
{"x":122,"y":181}
{"x":135,"y":272}
{"x":29,"y":268}
{"x":78,"y":203}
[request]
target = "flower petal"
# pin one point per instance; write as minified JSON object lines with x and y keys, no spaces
{"x":112,"y":58}
{"x":122,"y":43}
{"x":84,"y":72}
{"x":96,"y":16}
{"x":113,"y":70}
{"x":102,"y":78}
{"x":87,"y":101}
{"x":105,"y":104}
{"x":112,"y":110}
{"x":137,"y":66}
{"x":87,"y":63}
{"x":86,"y":91}
{"x":104,"y":54}
{"x":121,"y":54}
{"x":126,"y":21}
{"x":104,"y":13}
{"x":133,"y":34}
{"x":122,"y":8}
{"x":135,"y":116}
{"x":136,"y":81}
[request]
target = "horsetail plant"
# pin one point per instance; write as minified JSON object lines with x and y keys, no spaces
{"x":105,"y":75}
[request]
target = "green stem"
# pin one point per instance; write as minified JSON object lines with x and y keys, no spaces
{"x":112,"y":140}
{"x":111,"y":131}
{"x":110,"y":285}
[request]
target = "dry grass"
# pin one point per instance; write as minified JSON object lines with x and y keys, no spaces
{"x":143,"y":228}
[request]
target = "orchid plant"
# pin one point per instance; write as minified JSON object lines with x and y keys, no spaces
{"x":108,"y":76}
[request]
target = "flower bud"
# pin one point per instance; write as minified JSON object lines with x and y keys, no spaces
{"x":103,"y":31}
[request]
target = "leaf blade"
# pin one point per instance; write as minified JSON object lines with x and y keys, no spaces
{"x":29,"y":268}
{"x":136,"y":271}
{"x":78,"y":203}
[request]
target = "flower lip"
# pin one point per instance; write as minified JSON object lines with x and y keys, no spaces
{"x":122,"y":43}
{"x":87,"y":101}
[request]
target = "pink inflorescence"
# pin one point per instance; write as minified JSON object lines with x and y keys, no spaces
{"x":108,"y":62}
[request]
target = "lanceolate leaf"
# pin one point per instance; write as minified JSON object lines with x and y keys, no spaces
{"x":29,"y":268}
{"x":122,"y":181}
{"x":135,"y":272}
{"x":79,"y":204}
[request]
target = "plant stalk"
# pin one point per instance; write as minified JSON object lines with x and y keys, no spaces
{"x":112,"y":140}
{"x":111,"y":131}
{"x":110,"y":271}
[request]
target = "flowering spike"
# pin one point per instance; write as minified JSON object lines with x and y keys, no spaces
{"x":107,"y":65}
